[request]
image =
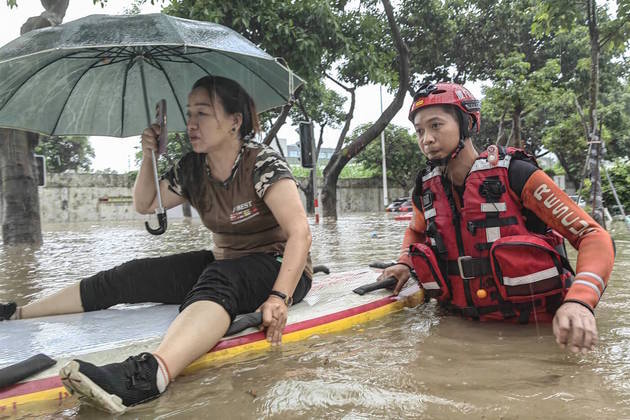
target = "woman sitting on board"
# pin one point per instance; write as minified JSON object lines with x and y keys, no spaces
{"x":246,"y":195}
{"x":480,"y":239}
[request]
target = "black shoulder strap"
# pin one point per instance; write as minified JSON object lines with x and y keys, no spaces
{"x":416,"y":194}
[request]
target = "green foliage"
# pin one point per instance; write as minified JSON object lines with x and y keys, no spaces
{"x":350,"y":171}
{"x":65,"y":153}
{"x":314,"y":37}
{"x":619,"y":174}
{"x":356,"y":170}
{"x":404,"y":159}
{"x":307,"y":34}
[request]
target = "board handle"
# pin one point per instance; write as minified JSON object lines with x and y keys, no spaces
{"x":381,"y":264}
{"x":15,"y":373}
{"x":383,"y":284}
{"x":244,"y":321}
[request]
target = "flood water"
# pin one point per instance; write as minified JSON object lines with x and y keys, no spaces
{"x":417,"y":363}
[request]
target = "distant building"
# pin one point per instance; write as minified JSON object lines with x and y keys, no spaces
{"x":293,"y":154}
{"x":283,"y":146}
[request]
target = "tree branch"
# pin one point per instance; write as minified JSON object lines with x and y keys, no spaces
{"x":346,"y":126}
{"x":273,"y":131}
{"x":346,"y":88}
{"x":321,"y":140}
{"x":403,"y":77}
{"x":279,"y":147}
{"x":502,"y":121}
{"x":582,"y":117}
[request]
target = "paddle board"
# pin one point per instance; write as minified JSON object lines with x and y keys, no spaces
{"x":114,"y":334}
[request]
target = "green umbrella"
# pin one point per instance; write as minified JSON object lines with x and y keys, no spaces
{"x":102,"y":75}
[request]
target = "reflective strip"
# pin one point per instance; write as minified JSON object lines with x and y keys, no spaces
{"x":482,"y":164}
{"x":493,"y":207}
{"x":431,"y":286}
{"x":492,"y":234}
{"x":531,"y":278}
{"x":430,"y":213}
{"x":433,"y":243}
{"x":589,"y":284}
{"x":592,"y":275}
{"x":437,"y":171}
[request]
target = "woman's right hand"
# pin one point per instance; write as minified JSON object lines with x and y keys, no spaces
{"x":400,"y":271}
{"x":149,"y":140}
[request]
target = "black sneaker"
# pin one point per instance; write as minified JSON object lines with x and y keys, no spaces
{"x":7,"y":310}
{"x":116,"y":386}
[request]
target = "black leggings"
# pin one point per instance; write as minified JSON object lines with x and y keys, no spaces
{"x":239,"y":285}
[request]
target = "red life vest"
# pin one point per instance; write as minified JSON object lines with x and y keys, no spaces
{"x":479,"y":258}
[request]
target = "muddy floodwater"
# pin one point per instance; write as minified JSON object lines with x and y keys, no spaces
{"x":417,"y":363}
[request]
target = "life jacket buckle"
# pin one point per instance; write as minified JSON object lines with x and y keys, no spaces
{"x":460,"y":261}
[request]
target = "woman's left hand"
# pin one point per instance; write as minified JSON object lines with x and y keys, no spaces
{"x":274,"y":318}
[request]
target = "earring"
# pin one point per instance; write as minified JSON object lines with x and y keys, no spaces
{"x":233,"y":129}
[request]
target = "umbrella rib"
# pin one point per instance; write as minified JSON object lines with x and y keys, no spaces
{"x":26,"y":79}
{"x":52,"y":132}
{"x":168,"y":79}
{"x":255,"y":73}
{"x":124,"y":92}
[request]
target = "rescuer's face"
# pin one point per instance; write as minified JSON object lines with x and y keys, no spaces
{"x":437,"y":131}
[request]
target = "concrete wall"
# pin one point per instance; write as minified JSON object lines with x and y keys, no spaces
{"x":360,"y":195}
{"x":86,"y":197}
{"x":91,"y":197}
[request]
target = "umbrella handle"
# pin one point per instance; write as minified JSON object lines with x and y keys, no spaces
{"x":161,"y":212}
{"x":160,"y":230}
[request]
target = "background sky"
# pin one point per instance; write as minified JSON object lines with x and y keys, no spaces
{"x":119,"y":154}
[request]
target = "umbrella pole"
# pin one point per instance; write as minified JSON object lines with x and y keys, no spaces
{"x":161,"y":213}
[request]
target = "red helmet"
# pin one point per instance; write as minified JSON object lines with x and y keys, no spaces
{"x":448,"y":94}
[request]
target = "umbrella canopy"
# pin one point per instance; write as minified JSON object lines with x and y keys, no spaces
{"x":102,"y":75}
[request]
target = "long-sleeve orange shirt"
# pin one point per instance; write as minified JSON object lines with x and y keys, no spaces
{"x":553,"y":207}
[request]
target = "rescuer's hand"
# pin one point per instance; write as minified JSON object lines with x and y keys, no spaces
{"x":575,"y":328}
{"x":400,"y":271}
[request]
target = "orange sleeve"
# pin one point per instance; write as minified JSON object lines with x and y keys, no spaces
{"x":413,"y":234}
{"x":594,"y":245}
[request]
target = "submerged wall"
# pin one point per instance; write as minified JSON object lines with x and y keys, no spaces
{"x":71,"y":197}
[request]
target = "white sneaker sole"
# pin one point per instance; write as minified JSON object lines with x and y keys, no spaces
{"x":77,"y":383}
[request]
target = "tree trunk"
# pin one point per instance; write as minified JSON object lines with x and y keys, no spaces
{"x":567,"y":169}
{"x":307,"y":188}
{"x":596,"y":180}
{"x":21,"y":222}
{"x":343,"y":155}
{"x":186,"y":209}
{"x":516,"y":140}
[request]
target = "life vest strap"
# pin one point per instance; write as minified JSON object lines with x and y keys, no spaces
{"x":490,"y":222}
{"x":469,"y":267}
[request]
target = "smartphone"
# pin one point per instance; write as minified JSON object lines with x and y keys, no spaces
{"x":160,"y":119}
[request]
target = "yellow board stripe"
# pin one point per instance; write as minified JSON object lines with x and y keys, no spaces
{"x":330,"y":327}
{"x":53,"y":394}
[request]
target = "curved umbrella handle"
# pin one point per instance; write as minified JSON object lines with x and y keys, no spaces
{"x":159,"y":230}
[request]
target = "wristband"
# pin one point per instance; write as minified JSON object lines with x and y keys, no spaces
{"x":581,"y":303}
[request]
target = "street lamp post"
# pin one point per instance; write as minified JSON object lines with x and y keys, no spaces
{"x":385,"y":200}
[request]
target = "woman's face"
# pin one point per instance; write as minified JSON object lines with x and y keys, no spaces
{"x":437,"y":131}
{"x":208,"y":125}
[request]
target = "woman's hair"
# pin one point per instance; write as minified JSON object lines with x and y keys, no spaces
{"x":234,"y":100}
